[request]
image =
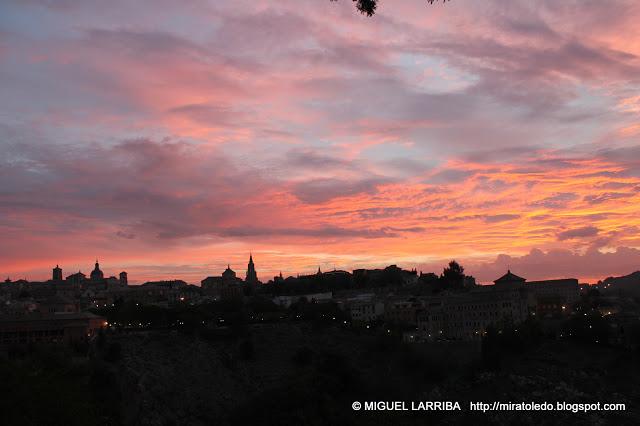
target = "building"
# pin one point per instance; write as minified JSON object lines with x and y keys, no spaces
{"x":366,"y":312}
{"x":554,"y":297}
{"x":364,"y":308}
{"x":77,"y":278}
{"x":57,"y":274}
{"x":286,"y":301}
{"x":71,"y":294}
{"x":232,"y":287}
{"x":278,"y":279}
{"x":391,"y":276}
{"x":403,"y":311}
{"x":211,"y":285}
{"x":161,"y":293}
{"x":509,"y":280}
{"x":57,"y":304}
{"x":226,"y":286}
{"x":49,"y":328}
{"x":252,"y":276}
{"x":229,"y":275}
{"x":466,"y":315}
{"x":547,"y":297}
{"x":97,"y":274}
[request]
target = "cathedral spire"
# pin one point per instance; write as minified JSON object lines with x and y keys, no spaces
{"x":252,"y":276}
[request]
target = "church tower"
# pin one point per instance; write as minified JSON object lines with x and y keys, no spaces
{"x":57,"y":273}
{"x":252,"y":276}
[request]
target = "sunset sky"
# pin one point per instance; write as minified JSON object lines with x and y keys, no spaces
{"x":170,"y":138}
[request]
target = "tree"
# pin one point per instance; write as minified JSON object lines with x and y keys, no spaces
{"x":368,"y":7}
{"x":453,"y":275}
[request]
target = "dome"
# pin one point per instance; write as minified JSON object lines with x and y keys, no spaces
{"x":97,"y":274}
{"x":228,"y":273}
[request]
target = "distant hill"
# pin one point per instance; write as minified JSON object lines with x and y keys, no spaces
{"x":626,"y":283}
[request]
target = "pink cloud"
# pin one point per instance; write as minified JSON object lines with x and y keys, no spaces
{"x":188,"y":135}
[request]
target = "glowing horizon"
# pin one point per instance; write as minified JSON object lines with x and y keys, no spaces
{"x":170,"y":140}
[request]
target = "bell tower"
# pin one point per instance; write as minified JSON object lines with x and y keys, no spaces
{"x":57,"y":274}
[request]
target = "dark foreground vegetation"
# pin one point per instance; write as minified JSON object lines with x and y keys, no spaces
{"x":59,"y":385}
{"x":228,"y":363}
